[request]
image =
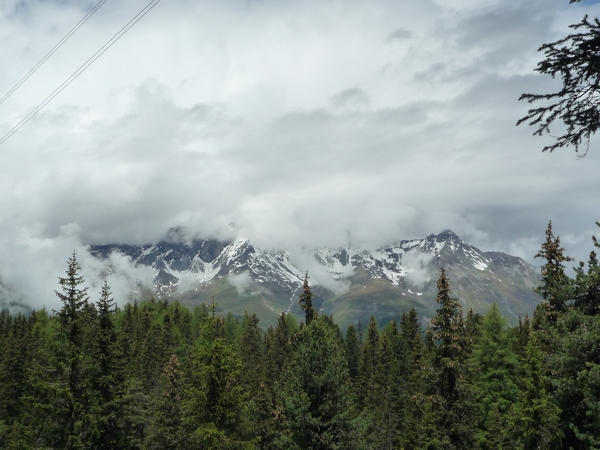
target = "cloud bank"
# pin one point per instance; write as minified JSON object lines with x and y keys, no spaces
{"x":295,"y":124}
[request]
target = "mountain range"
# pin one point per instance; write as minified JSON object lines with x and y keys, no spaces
{"x":349,"y":284}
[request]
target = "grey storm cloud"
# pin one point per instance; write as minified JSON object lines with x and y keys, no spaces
{"x":353,"y":97}
{"x":399,"y":34}
{"x":303,"y":123}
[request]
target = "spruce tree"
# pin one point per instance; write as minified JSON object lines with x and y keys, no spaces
{"x":106,"y":378}
{"x":414,"y":393}
{"x":352,"y":351}
{"x":316,"y":393}
{"x":555,"y":286}
{"x":214,"y":399}
{"x":306,"y":302}
{"x":587,"y":284}
{"x":535,"y":417}
{"x":496,"y":372}
{"x":368,"y":362}
{"x":251,"y":353}
{"x":451,"y":385}
{"x":166,"y":427}
{"x":74,"y":297}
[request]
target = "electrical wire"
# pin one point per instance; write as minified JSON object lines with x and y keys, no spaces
{"x":81,"y":69}
{"x":53,"y":50}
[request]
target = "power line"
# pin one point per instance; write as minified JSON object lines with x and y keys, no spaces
{"x":53,"y":50}
{"x":81,"y":69}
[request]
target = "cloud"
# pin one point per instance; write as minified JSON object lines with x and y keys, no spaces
{"x":416,"y":263}
{"x":241,"y":282}
{"x":353,"y":97}
{"x":399,"y":34}
{"x":303,"y":123}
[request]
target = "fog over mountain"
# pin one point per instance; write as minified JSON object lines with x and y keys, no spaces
{"x":350,"y":284}
{"x":300,"y":124}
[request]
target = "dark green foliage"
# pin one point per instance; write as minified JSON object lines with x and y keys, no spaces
{"x":214,"y":399}
{"x":386,"y":401}
{"x":587,"y":284}
{"x":306,"y":302}
{"x":316,"y":392}
{"x":106,"y":377}
{"x":414,"y":392}
{"x":368,"y":362}
{"x":166,"y":428}
{"x":496,"y":375}
{"x":156,"y":375}
{"x":352,"y":351}
{"x":451,"y":399}
{"x":555,"y":285}
{"x":535,"y":417}
{"x":574,"y":60}
{"x":576,"y":378}
{"x":251,"y":353}
{"x":69,"y":365}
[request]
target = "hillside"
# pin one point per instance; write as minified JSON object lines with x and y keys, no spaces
{"x":350,"y":284}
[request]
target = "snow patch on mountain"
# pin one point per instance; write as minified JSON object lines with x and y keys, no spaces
{"x":185,"y":266}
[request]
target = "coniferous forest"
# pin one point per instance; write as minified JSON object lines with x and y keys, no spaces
{"x":157,"y":375}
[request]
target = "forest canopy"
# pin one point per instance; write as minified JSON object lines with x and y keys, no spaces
{"x":157,"y":375}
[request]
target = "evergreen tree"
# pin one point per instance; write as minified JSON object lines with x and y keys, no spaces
{"x":368,"y":362}
{"x":352,"y":351}
{"x":498,"y":437}
{"x":587,"y":284}
{"x":535,"y":418}
{"x":522,"y":334}
{"x":575,"y":104}
{"x":386,"y":402}
{"x":215,"y":398}
{"x":575,"y":377}
{"x":555,"y":285}
{"x":251,"y":353}
{"x":316,"y":393}
{"x":74,"y":298}
{"x":496,"y":369}
{"x":105,"y":375}
{"x":414,"y":393}
{"x":279,"y":351}
{"x":306,"y":302}
{"x":455,"y":408}
{"x":165,"y":431}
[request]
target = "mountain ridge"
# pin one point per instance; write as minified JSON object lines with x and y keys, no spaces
{"x":348,"y":283}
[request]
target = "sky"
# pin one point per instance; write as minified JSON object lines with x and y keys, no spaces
{"x":295,"y":124}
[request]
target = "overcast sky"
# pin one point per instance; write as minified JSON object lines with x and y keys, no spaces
{"x":292,"y":123}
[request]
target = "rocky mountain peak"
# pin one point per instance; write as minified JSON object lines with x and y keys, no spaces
{"x":348,"y":282}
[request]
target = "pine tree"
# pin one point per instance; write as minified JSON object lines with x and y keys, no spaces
{"x":555,"y":285}
{"x":214,"y":399}
{"x":316,"y":393}
{"x":105,"y":378}
{"x":251,"y":353}
{"x":587,"y":284}
{"x":368,"y":362}
{"x":496,"y":369}
{"x":574,"y":372}
{"x":74,"y":298}
{"x":165,"y":430}
{"x":352,"y":351}
{"x":451,"y":386}
{"x":306,"y":302}
{"x":386,"y":401}
{"x":535,"y":418}
{"x":414,"y":393}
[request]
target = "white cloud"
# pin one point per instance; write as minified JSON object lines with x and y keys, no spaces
{"x":417,"y":263}
{"x":304,"y":123}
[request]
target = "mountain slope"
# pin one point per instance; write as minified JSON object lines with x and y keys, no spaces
{"x":350,"y":284}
